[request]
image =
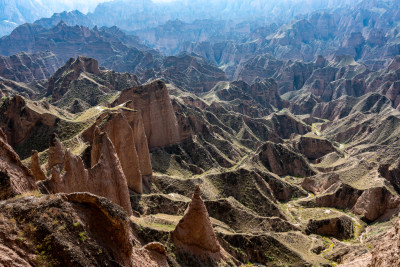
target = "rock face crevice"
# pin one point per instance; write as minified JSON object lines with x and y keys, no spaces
{"x":195,"y":228}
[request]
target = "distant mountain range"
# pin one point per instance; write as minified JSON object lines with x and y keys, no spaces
{"x":140,"y":14}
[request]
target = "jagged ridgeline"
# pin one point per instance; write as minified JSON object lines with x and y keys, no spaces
{"x":152,"y":141}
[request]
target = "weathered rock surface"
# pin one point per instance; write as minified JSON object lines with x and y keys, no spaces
{"x":159,"y":119}
{"x":81,"y":80}
{"x":70,"y":229}
{"x":387,"y":252}
{"x":392,"y":174}
{"x":281,"y":160}
{"x":188,"y":72}
{"x":121,"y":134}
{"x":195,"y":228}
{"x":338,"y":227}
{"x":56,"y":153}
{"x":15,"y":178}
{"x":19,"y":120}
{"x":36,"y":168}
{"x":256,"y":100}
{"x":314,"y":148}
{"x":106,"y":178}
{"x":135,"y":120}
{"x":29,"y":125}
{"x":370,"y":203}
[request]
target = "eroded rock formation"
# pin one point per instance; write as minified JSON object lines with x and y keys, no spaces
{"x":195,"y":228}
{"x":281,"y":160}
{"x":56,"y":153}
{"x":36,"y":167}
{"x":15,"y":178}
{"x":315,"y":147}
{"x":126,"y":131}
{"x":25,"y":67}
{"x":159,"y":120}
{"x":71,"y":229}
{"x":106,"y":178}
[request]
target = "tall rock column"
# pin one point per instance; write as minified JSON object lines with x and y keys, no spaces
{"x":121,"y":135}
{"x":159,"y":120}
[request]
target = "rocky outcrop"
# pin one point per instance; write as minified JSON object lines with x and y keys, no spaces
{"x":375,"y":202}
{"x":339,"y":227}
{"x":195,"y":228}
{"x":282,"y":161}
{"x":392,"y":174}
{"x":81,"y":80}
{"x":56,"y":153}
{"x":106,"y":178}
{"x":387,"y":252}
{"x":29,"y":125}
{"x":121,"y":134}
{"x":70,"y":229}
{"x":59,"y":83}
{"x":20,"y":121}
{"x":135,"y":120}
{"x":188,"y":72}
{"x":26,"y":68}
{"x":314,"y":147}
{"x":36,"y":168}
{"x":256,"y":100}
{"x":370,"y":203}
{"x":15,"y":178}
{"x":153,"y":102}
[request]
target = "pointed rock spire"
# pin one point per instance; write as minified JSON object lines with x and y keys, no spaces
{"x":36,"y":168}
{"x":195,"y":228}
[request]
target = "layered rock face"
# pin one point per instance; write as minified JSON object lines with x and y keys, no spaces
{"x":15,"y":178}
{"x":106,"y":178}
{"x":159,"y":120}
{"x":10,"y":88}
{"x":25,"y":67}
{"x":195,"y":228}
